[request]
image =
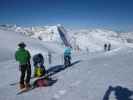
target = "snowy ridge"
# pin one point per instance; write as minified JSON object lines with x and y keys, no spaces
{"x":64,"y":36}
{"x":11,"y":40}
{"x":90,"y":40}
{"x":44,"y":33}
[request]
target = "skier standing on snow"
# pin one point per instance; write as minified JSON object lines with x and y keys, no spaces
{"x":105,"y":47}
{"x":67,"y":56}
{"x":23,"y":57}
{"x":39,"y":67}
{"x":109,"y":47}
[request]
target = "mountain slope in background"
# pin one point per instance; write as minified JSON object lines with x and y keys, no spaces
{"x":84,"y":40}
{"x":9,"y":41}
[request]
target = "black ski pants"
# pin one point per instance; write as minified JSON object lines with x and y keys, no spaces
{"x":25,"y":70}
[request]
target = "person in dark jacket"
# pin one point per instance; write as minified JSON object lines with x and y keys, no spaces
{"x":105,"y":47}
{"x":39,"y":67}
{"x":23,"y":57}
{"x":109,"y":47}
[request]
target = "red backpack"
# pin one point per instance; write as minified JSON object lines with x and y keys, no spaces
{"x":42,"y":82}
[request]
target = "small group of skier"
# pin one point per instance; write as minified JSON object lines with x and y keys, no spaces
{"x":107,"y":47}
{"x":23,"y":56}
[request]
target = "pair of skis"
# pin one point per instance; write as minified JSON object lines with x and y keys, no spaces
{"x":39,"y":82}
{"x":46,"y":77}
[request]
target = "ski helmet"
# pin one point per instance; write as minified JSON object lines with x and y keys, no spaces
{"x":22,"y":45}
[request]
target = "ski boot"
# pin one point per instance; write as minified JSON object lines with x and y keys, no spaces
{"x":27,"y":86}
{"x":21,"y":86}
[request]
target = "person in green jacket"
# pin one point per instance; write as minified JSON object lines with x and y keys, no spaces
{"x":23,"y":57}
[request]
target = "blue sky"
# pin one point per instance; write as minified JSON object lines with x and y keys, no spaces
{"x":111,"y":14}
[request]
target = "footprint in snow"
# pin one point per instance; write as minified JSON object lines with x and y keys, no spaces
{"x":59,"y":94}
{"x":76,"y":83}
{"x":55,"y":97}
{"x":62,"y":92}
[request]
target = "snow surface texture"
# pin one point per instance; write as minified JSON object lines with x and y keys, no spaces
{"x":87,"y":79}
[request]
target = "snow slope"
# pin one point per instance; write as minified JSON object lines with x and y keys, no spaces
{"x":87,"y":79}
{"x":9,"y":41}
{"x":94,"y":40}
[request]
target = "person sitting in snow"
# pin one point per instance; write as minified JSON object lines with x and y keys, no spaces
{"x":39,"y":68}
{"x":23,"y":57}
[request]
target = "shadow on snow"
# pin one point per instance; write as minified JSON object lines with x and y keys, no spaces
{"x":121,"y":93}
{"x":58,"y":68}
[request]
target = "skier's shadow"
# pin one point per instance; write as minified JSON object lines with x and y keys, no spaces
{"x":121,"y":93}
{"x":58,"y":68}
